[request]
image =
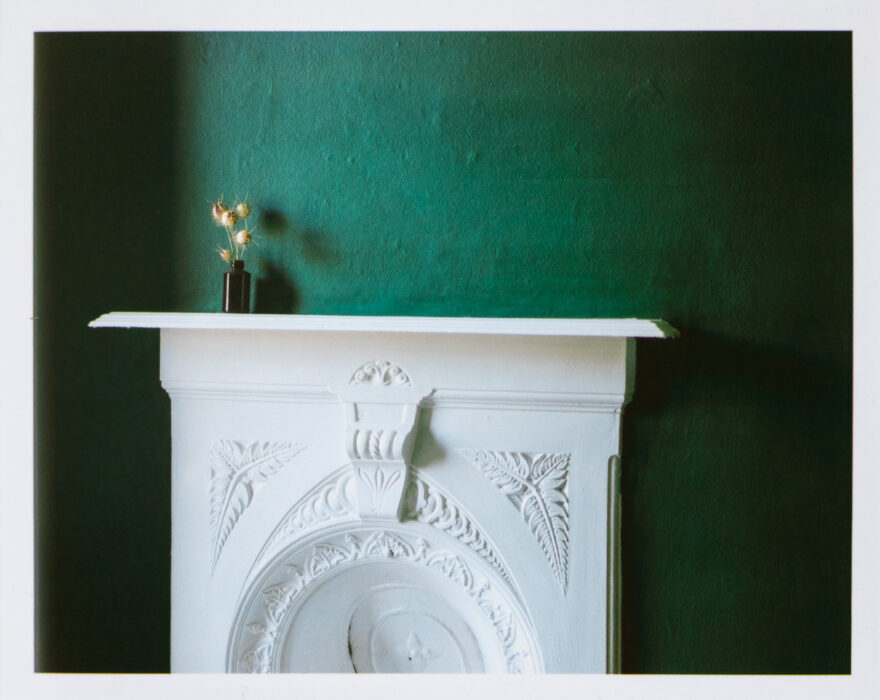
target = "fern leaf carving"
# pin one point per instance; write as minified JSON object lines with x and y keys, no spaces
{"x":235,"y":468}
{"x":536,"y":483}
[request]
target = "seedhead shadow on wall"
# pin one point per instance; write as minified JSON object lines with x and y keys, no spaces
{"x":275,"y":291}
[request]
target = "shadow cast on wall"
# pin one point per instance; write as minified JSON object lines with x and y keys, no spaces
{"x":104,"y":161}
{"x":740,"y":497}
{"x":274,"y":291}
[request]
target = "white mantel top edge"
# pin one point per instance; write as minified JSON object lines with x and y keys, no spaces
{"x":586,"y":327}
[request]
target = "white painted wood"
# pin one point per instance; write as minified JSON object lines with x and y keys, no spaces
{"x":422,"y":494}
{"x":613,"y":662}
{"x":597,"y":327}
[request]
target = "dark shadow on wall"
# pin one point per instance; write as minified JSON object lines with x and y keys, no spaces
{"x":274,"y":292}
{"x":104,"y":217}
{"x":753,"y":527}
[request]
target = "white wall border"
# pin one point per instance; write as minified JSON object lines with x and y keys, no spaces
{"x":20,"y":18}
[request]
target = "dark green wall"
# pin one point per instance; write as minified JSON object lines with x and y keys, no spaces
{"x":703,"y":178}
{"x":104,"y":214}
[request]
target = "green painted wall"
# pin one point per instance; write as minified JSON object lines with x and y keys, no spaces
{"x":703,"y":178}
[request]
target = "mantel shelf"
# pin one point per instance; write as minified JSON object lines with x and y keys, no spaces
{"x":577,"y":327}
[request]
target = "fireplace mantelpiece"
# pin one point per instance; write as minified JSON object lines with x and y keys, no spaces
{"x":394,"y":493}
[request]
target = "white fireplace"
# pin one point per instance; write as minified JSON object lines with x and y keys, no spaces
{"x":389,"y":494}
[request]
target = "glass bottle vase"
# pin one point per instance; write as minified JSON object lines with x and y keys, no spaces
{"x":237,"y":288}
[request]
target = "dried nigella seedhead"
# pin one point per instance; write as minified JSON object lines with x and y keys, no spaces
{"x":228,"y":218}
{"x":217,"y":211}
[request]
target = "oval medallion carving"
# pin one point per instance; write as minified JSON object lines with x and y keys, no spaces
{"x":380,"y":600}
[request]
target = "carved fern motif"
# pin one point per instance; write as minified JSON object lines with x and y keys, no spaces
{"x":381,"y":373}
{"x":235,"y":469}
{"x":536,"y":484}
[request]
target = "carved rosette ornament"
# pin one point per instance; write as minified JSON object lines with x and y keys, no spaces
{"x":380,"y":373}
{"x":268,"y":610}
{"x":536,"y":483}
{"x":237,"y":470}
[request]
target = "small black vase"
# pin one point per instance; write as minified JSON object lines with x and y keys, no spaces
{"x":237,"y":289}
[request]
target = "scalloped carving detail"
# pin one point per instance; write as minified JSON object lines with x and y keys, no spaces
{"x":536,"y":483}
{"x":381,"y":373}
{"x":236,"y":470}
{"x":435,"y":508}
{"x":278,"y":599}
{"x":329,"y":500}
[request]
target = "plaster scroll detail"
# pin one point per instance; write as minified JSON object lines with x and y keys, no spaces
{"x":536,"y":483}
{"x":275,"y":602}
{"x":236,"y":470}
{"x":381,"y":373}
{"x":435,"y":508}
{"x":377,"y":444}
{"x":378,"y":458}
